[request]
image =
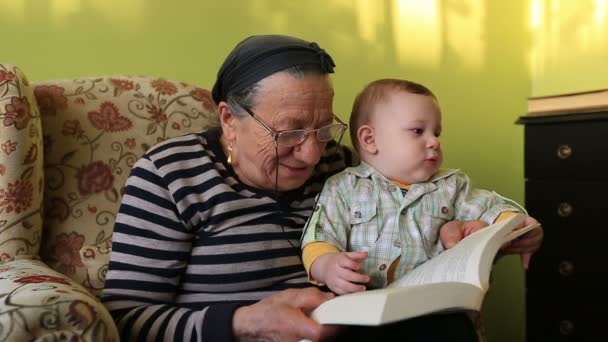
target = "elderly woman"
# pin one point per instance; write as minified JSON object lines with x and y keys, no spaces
{"x":206,"y":243}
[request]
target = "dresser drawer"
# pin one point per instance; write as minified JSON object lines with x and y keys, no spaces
{"x":573,"y":214}
{"x":573,"y":150}
{"x":562,"y":318}
{"x":566,"y":310}
{"x":565,"y":300}
{"x":567,"y":280}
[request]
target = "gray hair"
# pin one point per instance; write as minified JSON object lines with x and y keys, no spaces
{"x":248,"y":97}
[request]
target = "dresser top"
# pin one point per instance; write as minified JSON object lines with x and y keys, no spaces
{"x":565,"y":117}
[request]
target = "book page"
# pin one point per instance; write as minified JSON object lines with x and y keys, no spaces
{"x":470,"y":260}
{"x":381,"y":306}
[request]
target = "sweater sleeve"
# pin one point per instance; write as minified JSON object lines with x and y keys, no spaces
{"x":150,"y":252}
{"x":478,"y":204}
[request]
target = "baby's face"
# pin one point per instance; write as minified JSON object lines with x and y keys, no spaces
{"x":407,"y":129}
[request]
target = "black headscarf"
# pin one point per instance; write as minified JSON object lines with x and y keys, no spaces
{"x":260,"y":56}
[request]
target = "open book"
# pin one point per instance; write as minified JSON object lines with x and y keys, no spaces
{"x":455,"y":280}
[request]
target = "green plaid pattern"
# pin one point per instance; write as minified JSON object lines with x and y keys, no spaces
{"x":360,"y":210}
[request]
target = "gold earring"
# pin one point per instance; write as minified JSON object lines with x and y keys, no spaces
{"x":229,"y":160}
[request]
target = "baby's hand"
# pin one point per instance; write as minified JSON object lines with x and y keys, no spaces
{"x":526,"y":244}
{"x":339,"y":271}
{"x":454,"y":231}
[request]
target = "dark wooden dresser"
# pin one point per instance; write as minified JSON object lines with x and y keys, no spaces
{"x":566,"y":189}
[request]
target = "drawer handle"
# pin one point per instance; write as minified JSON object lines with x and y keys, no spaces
{"x":564,"y":151}
{"x":564,"y":210}
{"x":566,"y":327}
{"x":566,"y":268}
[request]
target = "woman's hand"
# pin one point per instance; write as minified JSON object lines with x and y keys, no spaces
{"x":526,"y":244}
{"x":340,"y":271}
{"x":283,"y":317}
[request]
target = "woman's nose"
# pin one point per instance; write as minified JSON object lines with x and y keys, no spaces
{"x":309,"y":151}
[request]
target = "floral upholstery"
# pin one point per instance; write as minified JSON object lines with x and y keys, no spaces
{"x":94,"y":130}
{"x":67,"y":147}
{"x":21,"y":174}
{"x":42,"y":304}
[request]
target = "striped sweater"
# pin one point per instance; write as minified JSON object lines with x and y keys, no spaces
{"x":192,"y":243}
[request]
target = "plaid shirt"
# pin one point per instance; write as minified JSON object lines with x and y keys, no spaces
{"x":360,"y":210}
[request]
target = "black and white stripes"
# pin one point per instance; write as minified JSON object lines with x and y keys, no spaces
{"x":191,"y":243}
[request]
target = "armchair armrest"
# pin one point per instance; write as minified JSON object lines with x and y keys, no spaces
{"x":37,"y":302}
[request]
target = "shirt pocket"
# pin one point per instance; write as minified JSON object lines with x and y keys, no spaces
{"x":436,"y":215}
{"x":364,"y":230}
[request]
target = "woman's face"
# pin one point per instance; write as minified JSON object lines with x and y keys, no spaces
{"x":283,"y":103}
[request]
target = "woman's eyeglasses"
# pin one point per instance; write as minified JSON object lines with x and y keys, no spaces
{"x":294,"y":137}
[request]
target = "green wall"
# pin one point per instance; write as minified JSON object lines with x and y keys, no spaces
{"x":569,"y":50}
{"x":474,"y":54}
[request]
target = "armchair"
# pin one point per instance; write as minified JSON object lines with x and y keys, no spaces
{"x":66,"y":149}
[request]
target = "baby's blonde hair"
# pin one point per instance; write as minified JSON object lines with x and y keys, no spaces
{"x":376,"y":92}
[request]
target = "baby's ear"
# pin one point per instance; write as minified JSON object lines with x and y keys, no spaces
{"x":367,"y":139}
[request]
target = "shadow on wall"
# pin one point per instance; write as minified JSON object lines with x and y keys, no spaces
{"x":422,"y":34}
{"x":411,"y":34}
{"x":569,"y":40}
{"x":404,"y":32}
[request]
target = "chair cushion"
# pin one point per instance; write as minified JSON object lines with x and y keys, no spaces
{"x":94,"y":131}
{"x":21,"y":171}
{"x":40,"y":304}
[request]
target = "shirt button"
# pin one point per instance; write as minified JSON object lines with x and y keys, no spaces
{"x":444,"y":210}
{"x":391,"y":188}
{"x":382,"y":267}
{"x":397,"y":243}
{"x":357,"y":214}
